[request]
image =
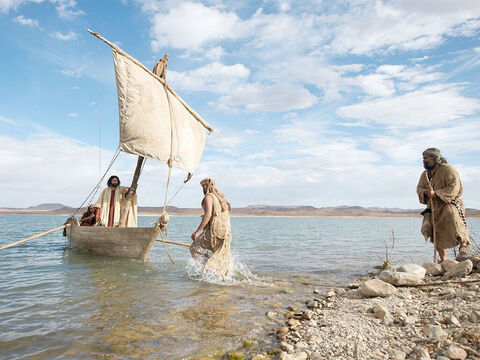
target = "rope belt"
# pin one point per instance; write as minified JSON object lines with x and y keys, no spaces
{"x":460,"y":211}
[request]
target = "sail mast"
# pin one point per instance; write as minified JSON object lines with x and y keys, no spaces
{"x":164,"y":83}
{"x":131,"y":192}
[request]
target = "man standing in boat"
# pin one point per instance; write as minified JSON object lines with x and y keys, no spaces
{"x":212,"y":239}
{"x":440,"y":188}
{"x":112,"y":202}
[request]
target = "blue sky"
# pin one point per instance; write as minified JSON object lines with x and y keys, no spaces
{"x":313,"y":103}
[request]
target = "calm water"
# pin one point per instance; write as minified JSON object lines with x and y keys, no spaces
{"x":56,"y":303}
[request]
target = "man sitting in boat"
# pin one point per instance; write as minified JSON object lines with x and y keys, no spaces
{"x":112,"y":203}
{"x":213,"y":244}
{"x":89,"y":217}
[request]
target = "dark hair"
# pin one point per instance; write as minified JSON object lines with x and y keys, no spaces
{"x":109,"y":182}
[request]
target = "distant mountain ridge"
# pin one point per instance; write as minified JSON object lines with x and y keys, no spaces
{"x":251,"y":210}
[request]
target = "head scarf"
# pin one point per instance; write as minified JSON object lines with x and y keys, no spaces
{"x":109,"y":182}
{"x":436,"y":155}
{"x":213,"y":189}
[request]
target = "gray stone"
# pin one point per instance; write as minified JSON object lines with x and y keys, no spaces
{"x":451,"y":320}
{"x":286,"y":347}
{"x":467,"y":295}
{"x":398,"y":355}
{"x":298,"y":356}
{"x":312,"y":304}
{"x":456,"y":353}
{"x":271,"y":314}
{"x":475,"y":316}
{"x":422,"y":353}
{"x":380,"y":312}
{"x":308,"y":314}
{"x":433,"y":269}
{"x":376,"y":287}
{"x":330,"y":293}
{"x":408,"y":274}
{"x":436,"y":332}
{"x":459,"y":270}
{"x":448,"y":264}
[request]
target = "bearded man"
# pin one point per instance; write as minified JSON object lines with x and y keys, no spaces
{"x":440,"y":188}
{"x":112,"y":202}
{"x":212,"y":239}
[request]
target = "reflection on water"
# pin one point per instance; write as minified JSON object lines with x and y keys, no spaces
{"x":62,"y":304}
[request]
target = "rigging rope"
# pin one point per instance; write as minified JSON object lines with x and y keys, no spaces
{"x":99,"y":112}
{"x":163,"y":219}
{"x":95,"y":189}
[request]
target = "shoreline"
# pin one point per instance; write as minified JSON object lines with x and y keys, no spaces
{"x":431,"y":321}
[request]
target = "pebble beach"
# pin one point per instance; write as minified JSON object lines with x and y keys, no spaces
{"x":433,"y":316}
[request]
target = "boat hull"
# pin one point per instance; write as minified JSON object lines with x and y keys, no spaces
{"x":123,"y":242}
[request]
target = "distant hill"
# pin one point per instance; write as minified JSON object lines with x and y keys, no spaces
{"x":252,"y":210}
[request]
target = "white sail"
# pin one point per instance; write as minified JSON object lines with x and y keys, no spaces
{"x":154,"y":121}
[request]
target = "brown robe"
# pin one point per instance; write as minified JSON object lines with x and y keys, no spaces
{"x":217,"y":237}
{"x":449,"y":224}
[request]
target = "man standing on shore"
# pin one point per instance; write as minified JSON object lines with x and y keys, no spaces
{"x":213,"y":244}
{"x":111,"y":204}
{"x":440,"y":188}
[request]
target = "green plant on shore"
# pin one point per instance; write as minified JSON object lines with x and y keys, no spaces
{"x":388,"y":255}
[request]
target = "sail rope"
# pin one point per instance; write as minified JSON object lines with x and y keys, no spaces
{"x":164,"y":217}
{"x":97,"y":186}
{"x":99,"y":112}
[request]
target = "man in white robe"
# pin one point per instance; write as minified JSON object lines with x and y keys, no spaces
{"x":112,"y":202}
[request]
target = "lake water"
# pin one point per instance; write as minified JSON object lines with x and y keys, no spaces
{"x":56,"y":303}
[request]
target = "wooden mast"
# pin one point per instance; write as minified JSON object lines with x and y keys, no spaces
{"x":131,"y":191}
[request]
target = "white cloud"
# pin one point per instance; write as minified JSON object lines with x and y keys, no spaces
{"x":25,"y":21}
{"x":75,"y":73}
{"x":405,"y":25}
{"x":376,"y":85}
{"x":190,"y":25}
{"x":64,"y":37}
{"x":454,"y":140}
{"x":72,"y":114}
{"x":7,"y":120}
{"x":66,"y":9}
{"x":214,"y":77}
{"x":7,"y":5}
{"x":223,"y":142}
{"x":426,"y":107}
{"x":215,"y":53}
{"x":273,"y":98}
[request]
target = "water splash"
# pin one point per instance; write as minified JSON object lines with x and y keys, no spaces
{"x":238,"y":274}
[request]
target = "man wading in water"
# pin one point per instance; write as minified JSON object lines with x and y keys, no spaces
{"x":213,"y":244}
{"x":440,"y":188}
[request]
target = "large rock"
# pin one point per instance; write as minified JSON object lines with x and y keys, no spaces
{"x":409,"y":274}
{"x":459,"y":270}
{"x":376,"y":287}
{"x":455,"y":352}
{"x":433,"y":269}
{"x":448,"y":264}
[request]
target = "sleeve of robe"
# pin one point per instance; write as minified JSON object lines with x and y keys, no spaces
{"x":422,"y":187}
{"x":452,"y":188}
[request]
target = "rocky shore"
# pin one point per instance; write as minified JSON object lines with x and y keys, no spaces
{"x":407,"y":312}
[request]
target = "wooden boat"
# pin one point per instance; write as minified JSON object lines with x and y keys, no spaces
{"x":155,"y":123}
{"x":124,"y":242}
